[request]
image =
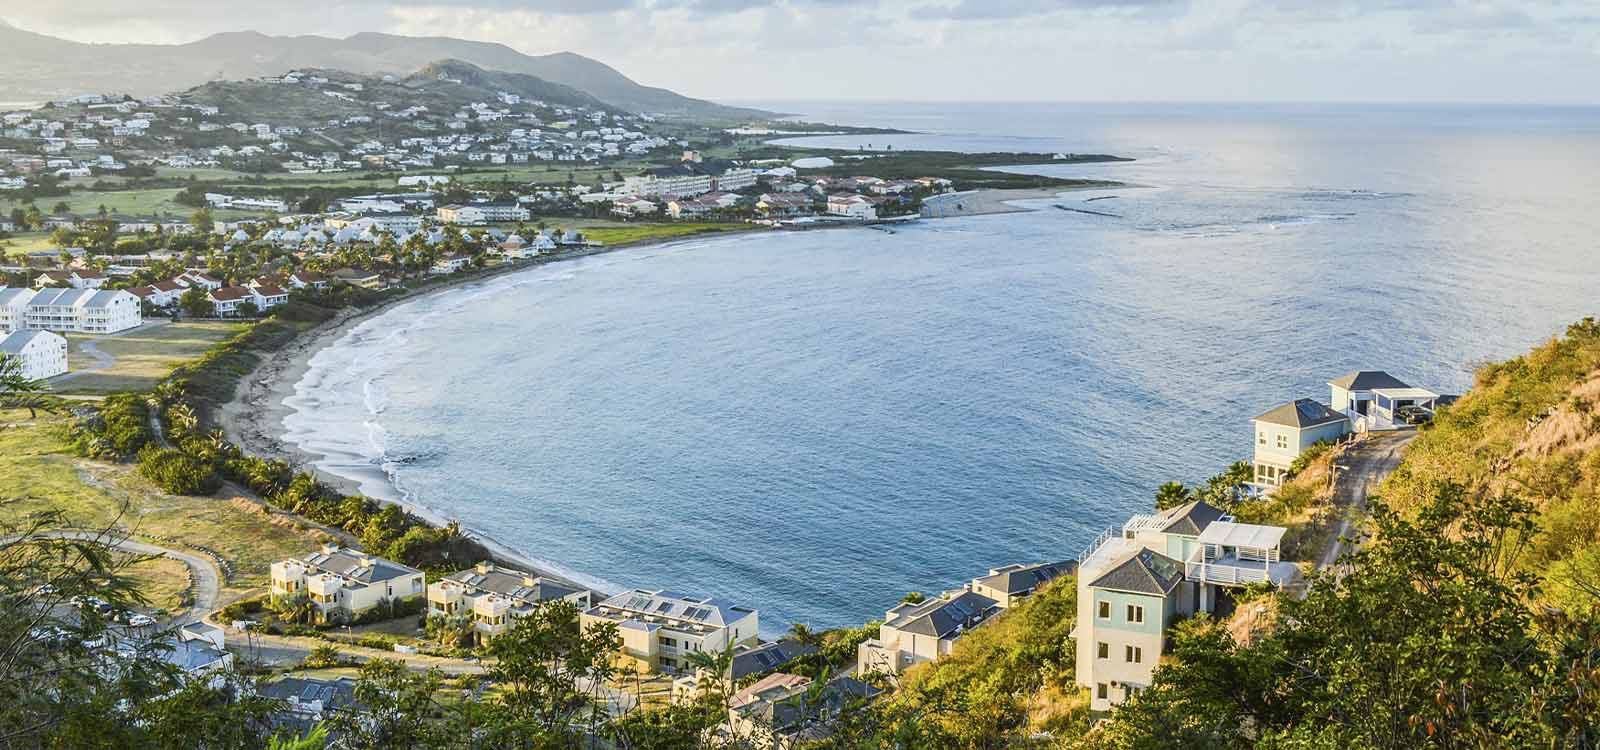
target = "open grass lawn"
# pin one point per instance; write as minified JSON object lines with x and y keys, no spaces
{"x":143,"y":356}
{"x":40,"y":473}
{"x":25,"y":242}
{"x":623,"y":234}
{"x":164,"y":582}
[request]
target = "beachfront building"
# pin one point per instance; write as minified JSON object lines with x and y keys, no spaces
{"x":43,"y":354}
{"x":226,"y":301}
{"x":853,"y":206}
{"x":1376,"y":400}
{"x":343,"y":583}
{"x":451,"y":263}
{"x":689,"y":178}
{"x":478,"y":214}
{"x":1285,"y":432}
{"x":493,"y":597}
{"x":68,"y":310}
{"x":1161,"y":567}
{"x":659,"y":628}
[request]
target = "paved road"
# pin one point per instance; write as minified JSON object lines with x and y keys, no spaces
{"x":203,"y":571}
{"x":1361,"y":469}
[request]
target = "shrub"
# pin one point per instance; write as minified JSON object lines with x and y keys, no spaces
{"x":178,"y":472}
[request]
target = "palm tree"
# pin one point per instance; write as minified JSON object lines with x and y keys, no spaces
{"x":17,"y":387}
{"x":803,"y":634}
{"x":1172,"y":495}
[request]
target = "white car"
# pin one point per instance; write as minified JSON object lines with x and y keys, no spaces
{"x":140,"y":621}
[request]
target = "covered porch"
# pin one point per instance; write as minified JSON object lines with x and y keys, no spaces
{"x":1239,"y":554}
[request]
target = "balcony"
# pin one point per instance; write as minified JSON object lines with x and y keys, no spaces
{"x":1238,"y":554}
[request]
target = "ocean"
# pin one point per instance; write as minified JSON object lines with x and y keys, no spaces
{"x":815,"y":423}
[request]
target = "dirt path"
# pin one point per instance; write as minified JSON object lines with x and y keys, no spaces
{"x":1360,"y":470}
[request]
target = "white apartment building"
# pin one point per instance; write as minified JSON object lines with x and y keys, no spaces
{"x":68,"y":310}
{"x":493,"y":597}
{"x":343,"y":582}
{"x":478,"y":214}
{"x":43,"y":354}
{"x":660,"y":627}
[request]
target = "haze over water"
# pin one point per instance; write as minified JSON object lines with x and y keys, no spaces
{"x":815,"y":423}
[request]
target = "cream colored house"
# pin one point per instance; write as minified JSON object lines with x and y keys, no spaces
{"x":1374,"y":400}
{"x":493,"y":597}
{"x":1285,"y":432}
{"x":344,"y":583}
{"x":661,"y":628}
{"x":1009,"y":585}
{"x":1160,"y":568}
{"x":925,"y":631}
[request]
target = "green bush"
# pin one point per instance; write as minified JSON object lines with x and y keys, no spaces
{"x":119,"y":428}
{"x":178,"y":472}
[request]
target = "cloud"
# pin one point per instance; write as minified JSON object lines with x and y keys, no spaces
{"x":1011,"y":9}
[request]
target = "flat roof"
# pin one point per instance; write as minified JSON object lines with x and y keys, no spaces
{"x":1229,"y":534}
{"x":1421,"y":393}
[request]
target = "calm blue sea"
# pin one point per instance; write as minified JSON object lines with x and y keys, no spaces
{"x":815,"y":423}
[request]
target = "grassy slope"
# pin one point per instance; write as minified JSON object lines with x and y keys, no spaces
{"x":39,"y":470}
{"x":1528,"y":427}
{"x":144,"y":356}
{"x":629,"y":233}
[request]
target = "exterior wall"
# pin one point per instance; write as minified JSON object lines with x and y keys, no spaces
{"x":1277,"y":446}
{"x":45,"y":356}
{"x":1116,"y":672}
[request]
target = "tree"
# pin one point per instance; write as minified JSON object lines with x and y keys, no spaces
{"x":248,"y":309}
{"x":202,"y":221}
{"x":16,"y":388}
{"x":396,"y":709}
{"x":195,"y":303}
{"x":1172,"y":495}
{"x":550,"y":671}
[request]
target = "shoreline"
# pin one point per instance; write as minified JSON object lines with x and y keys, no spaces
{"x":254,"y":418}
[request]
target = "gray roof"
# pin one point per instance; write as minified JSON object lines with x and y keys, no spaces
{"x":672,"y":605}
{"x":347,"y":563}
{"x":943,"y":617}
{"x":191,"y":655}
{"x":1144,"y":572}
{"x":512,"y":584}
{"x":1366,"y":380}
{"x":804,"y":707}
{"x":16,"y":341}
{"x":332,"y":693}
{"x":1020,"y":579}
{"x":1300,"y":414}
{"x":1189,"y":519}
{"x":768,"y":656}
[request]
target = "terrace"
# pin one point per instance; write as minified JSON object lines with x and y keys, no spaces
{"x":1239,"y":554}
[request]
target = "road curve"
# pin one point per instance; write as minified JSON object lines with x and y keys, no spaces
{"x":202,"y":570}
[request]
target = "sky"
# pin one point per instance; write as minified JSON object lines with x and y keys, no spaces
{"x":1523,"y":51}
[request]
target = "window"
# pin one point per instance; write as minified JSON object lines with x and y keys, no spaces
{"x":1104,"y":650}
{"x":1100,"y":691}
{"x":1105,"y":610}
{"x":1134,"y":654}
{"x":1261,"y":438}
{"x":1283,"y":441}
{"x":1135,"y":613}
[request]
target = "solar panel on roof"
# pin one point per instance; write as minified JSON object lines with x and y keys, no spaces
{"x":664,"y":607}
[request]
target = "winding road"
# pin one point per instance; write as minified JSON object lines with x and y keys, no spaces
{"x":1360,"y":470}
{"x":203,"y":572}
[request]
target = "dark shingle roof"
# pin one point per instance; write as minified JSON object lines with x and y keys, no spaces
{"x":1366,"y":380}
{"x":944,"y":617}
{"x":768,"y":656}
{"x":1300,"y":414}
{"x":1021,"y":579}
{"x":1144,"y":572}
{"x":1190,"y":519}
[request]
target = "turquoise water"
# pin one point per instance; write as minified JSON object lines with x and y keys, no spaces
{"x":815,"y":423}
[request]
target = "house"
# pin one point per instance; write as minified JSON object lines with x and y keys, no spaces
{"x":81,"y":278}
{"x":451,"y":264}
{"x":1009,"y":585}
{"x":766,"y":657}
{"x":43,"y":354}
{"x":1160,"y":568}
{"x":159,"y":294}
{"x":1376,"y":400}
{"x":343,"y":583}
{"x":778,"y":205}
{"x":225,"y":302}
{"x":69,"y":310}
{"x":492,"y":597}
{"x":197,"y":651}
{"x":307,"y":279}
{"x":267,"y":296}
{"x":783,"y":710}
{"x":197,"y":279}
{"x":307,"y":701}
{"x":659,"y":628}
{"x":916,"y":632}
{"x":853,"y":206}
{"x":631,"y":206}
{"x":361,"y":278}
{"x":1285,"y":432}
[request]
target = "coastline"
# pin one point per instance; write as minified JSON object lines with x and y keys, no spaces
{"x":254,"y":417}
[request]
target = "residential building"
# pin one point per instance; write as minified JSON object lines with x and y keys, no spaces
{"x":782,"y":710}
{"x":451,"y":263}
{"x":631,"y":207}
{"x":69,"y":310}
{"x":1376,"y":400}
{"x":913,"y":633}
{"x":80,"y":278}
{"x":689,"y":178}
{"x":1285,"y":432}
{"x":779,"y":205}
{"x":659,"y":628}
{"x":225,"y":302}
{"x":43,"y":354}
{"x":159,"y":294}
{"x":308,"y":701}
{"x":478,"y":214}
{"x":308,"y":279}
{"x":358,"y":277}
{"x":1009,"y":585}
{"x":853,"y":206}
{"x":1160,"y":568}
{"x":197,"y":279}
{"x":343,"y":583}
{"x":493,"y":597}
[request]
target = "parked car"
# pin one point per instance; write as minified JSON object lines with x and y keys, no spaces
{"x":140,"y":621}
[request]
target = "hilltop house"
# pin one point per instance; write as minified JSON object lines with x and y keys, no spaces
{"x":43,"y":354}
{"x":660,"y":627}
{"x":1160,"y":568}
{"x":781,"y":710}
{"x":493,"y":597}
{"x":913,"y":633}
{"x":344,"y":583}
{"x":1285,"y":432}
{"x":1009,"y":585}
{"x":1376,"y":400}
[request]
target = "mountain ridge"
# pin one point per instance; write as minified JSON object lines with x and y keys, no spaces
{"x":45,"y":67}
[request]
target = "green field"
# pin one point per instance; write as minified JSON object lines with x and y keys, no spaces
{"x":26,"y":242}
{"x":143,"y":356}
{"x":612,"y":233}
{"x":39,"y":472}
